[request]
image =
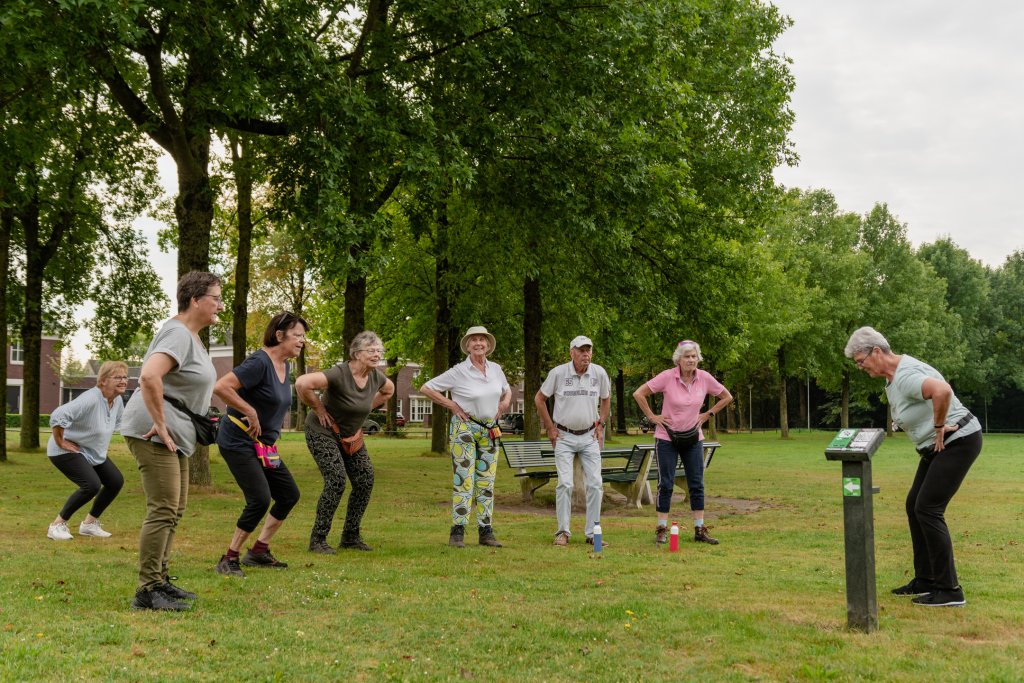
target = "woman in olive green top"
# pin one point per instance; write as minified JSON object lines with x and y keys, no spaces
{"x":347,"y":393}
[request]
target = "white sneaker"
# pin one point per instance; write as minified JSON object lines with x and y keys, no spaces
{"x":92,"y":529}
{"x":59,"y":532}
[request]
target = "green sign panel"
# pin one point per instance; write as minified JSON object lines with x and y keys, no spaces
{"x":851,"y":486}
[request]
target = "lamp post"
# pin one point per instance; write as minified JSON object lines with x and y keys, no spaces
{"x":750,"y":406}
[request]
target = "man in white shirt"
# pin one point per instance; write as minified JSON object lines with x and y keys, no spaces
{"x":582,"y":394}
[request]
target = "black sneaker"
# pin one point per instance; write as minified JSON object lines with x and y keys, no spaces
{"x":157,"y":600}
{"x":229,"y":567}
{"x":941,"y":598}
{"x":354,"y":542}
{"x":251,"y":559}
{"x":321,"y":547}
{"x":914,"y":588}
{"x":172,"y":591}
{"x":457,"y":536}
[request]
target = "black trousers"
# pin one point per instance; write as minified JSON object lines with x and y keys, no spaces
{"x":102,"y":482}
{"x":938,"y":478}
{"x":261,"y":485}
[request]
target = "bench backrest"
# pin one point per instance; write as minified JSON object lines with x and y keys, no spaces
{"x":709,"y":452}
{"x":521,"y":454}
{"x":636,"y":458}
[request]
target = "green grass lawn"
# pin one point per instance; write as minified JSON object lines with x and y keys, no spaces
{"x":767,"y":604}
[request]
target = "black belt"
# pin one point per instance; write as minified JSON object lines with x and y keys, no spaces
{"x":577,"y":432}
{"x":962,"y":422}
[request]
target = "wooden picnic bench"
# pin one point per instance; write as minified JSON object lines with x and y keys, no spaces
{"x":533,"y":462}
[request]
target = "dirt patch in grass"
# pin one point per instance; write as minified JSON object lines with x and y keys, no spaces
{"x":614,"y":505}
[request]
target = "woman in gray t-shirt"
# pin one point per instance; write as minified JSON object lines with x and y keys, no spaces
{"x":78,"y":448}
{"x":162,"y":438}
{"x":347,"y":393}
{"x":948,"y":439}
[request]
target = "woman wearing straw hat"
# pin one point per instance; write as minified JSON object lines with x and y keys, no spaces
{"x":479,"y":394}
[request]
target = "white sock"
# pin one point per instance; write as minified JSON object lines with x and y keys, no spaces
{"x":662,"y":523}
{"x":698,"y":523}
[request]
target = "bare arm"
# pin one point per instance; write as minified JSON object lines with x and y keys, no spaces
{"x":540,"y":400}
{"x":603,"y":409}
{"x":383,"y":395}
{"x":504,"y":403}
{"x":306,"y":388}
{"x":724,"y":399}
{"x":438,"y":398}
{"x":941,"y":395}
{"x":641,"y":395}
{"x":226,"y":389}
{"x":151,"y":384}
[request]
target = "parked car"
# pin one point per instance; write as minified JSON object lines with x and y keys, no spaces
{"x":370,"y":427}
{"x":511,"y":423}
{"x":399,"y":419}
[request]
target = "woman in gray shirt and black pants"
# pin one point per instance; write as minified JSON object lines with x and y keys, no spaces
{"x":78,"y":448}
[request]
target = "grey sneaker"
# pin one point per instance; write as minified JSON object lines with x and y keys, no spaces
{"x":229,"y":567}
{"x":562,"y":538}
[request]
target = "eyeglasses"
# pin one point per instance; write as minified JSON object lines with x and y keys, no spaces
{"x":120,"y":378}
{"x":860,"y":362}
{"x":215,"y":298}
{"x":374,"y":349}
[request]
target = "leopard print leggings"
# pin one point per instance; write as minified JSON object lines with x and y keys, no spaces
{"x":334,"y":467}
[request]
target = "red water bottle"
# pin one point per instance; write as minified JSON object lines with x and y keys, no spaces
{"x":673,"y":538}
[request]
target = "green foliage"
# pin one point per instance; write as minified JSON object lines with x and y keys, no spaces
{"x":14,"y":421}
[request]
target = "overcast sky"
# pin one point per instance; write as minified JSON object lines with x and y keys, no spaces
{"x":918,"y":104}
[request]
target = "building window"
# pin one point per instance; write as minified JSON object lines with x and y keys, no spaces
{"x":419,"y":407}
{"x":519,"y":406}
{"x":13,"y":399}
{"x":17,"y":353}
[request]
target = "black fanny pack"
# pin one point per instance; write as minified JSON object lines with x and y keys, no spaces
{"x":684,"y":440}
{"x":928,"y":451}
{"x":206,"y":429}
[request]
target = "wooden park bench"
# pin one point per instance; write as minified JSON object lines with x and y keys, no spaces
{"x":525,"y":459}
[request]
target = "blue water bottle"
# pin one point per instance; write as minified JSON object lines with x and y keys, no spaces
{"x":597,"y":537}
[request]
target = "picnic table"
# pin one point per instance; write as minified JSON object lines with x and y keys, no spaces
{"x":533,"y":462}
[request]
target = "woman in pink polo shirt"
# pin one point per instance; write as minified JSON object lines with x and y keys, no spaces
{"x":684,"y":388}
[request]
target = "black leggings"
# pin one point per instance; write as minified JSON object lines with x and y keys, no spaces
{"x":260,"y":485}
{"x":102,"y":482}
{"x":335,"y":467}
{"x":938,"y":478}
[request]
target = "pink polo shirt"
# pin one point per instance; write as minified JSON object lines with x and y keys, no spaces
{"x":682,"y":403}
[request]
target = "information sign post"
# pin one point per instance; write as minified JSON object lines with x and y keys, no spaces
{"x":854,"y":448}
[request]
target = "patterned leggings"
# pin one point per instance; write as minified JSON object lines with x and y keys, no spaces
{"x":474,"y":463}
{"x":334,"y":467}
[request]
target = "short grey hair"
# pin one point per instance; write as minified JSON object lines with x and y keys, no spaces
{"x":364,"y":339}
{"x":683,"y":347}
{"x":863,"y":340}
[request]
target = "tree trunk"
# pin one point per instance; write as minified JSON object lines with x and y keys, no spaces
{"x":620,"y":403}
{"x":533,"y":319}
{"x":36,"y":257}
{"x":442,"y":325}
{"x":240,"y":305}
{"x":6,"y":229}
{"x":298,"y":307}
{"x":355,"y":307}
{"x":392,"y":406}
{"x":193,"y":209}
{"x":783,"y":396}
